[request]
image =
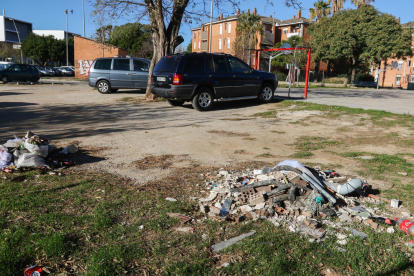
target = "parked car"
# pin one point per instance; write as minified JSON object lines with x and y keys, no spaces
{"x":56,"y":71}
{"x":5,"y":64}
{"x":20,"y":72}
{"x":67,"y":71}
{"x":50,"y":70}
{"x":110,"y":74}
{"x":43,"y":71}
{"x":203,"y":77}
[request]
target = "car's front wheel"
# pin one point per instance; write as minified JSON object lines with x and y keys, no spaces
{"x":266,"y":93}
{"x":103,"y":87}
{"x":4,"y":79}
{"x":203,"y":100}
{"x":175,"y":102}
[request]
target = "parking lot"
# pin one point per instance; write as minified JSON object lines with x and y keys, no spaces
{"x":125,"y":129}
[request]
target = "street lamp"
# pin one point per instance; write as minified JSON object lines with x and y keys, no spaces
{"x":18,"y":36}
{"x":67,"y":47}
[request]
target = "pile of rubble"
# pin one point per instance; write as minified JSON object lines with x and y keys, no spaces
{"x":33,"y":151}
{"x":299,"y":197}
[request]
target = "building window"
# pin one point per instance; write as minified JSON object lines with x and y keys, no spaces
{"x":229,"y":28}
{"x":285,"y":30}
{"x":195,"y":35}
{"x":228,"y":43}
{"x":412,"y":78}
{"x":219,"y":44}
{"x":221,"y":28}
{"x":195,"y":45}
{"x":409,"y":63}
{"x":199,"y":44}
{"x":400,"y":65}
{"x":199,"y":34}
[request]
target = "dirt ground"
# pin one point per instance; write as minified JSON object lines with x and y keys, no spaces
{"x":146,"y":141}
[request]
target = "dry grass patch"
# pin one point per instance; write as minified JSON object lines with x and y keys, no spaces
{"x":228,"y":133}
{"x":152,"y":161}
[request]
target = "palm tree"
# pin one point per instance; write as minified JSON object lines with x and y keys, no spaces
{"x":247,"y":25}
{"x":321,"y":9}
{"x":339,"y":4}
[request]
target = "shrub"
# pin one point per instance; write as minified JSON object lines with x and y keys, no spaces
{"x":364,"y":77}
{"x":335,"y":80}
{"x":280,"y":76}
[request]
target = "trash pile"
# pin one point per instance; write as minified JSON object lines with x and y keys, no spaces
{"x":301,"y":198}
{"x":33,"y":151}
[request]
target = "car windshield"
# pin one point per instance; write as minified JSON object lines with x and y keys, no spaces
{"x":167,"y":64}
{"x":4,"y":66}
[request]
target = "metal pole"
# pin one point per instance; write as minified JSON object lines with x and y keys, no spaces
{"x":307,"y":72}
{"x":18,"y":36}
{"x":83,"y":11}
{"x":211,"y":26}
{"x":67,"y":43}
{"x":290,"y":80}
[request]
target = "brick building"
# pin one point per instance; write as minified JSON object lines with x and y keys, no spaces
{"x":224,"y":35}
{"x":87,"y":50}
{"x":403,"y":75}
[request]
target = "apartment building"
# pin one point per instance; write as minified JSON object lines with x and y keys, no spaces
{"x":403,"y":75}
{"x":224,"y":35}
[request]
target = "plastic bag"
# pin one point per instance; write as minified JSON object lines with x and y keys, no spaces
{"x":13,"y":143}
{"x":39,"y":150}
{"x":6,"y":159}
{"x":30,"y":160}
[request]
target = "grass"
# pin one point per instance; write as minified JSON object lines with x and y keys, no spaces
{"x":267,"y":114}
{"x":310,"y":143}
{"x":302,"y":154}
{"x":88,"y":223}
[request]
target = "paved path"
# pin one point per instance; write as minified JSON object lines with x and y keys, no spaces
{"x":392,"y":100}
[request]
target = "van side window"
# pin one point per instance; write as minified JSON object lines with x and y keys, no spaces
{"x":103,"y":64}
{"x":220,"y":65}
{"x":194,"y":65}
{"x":122,"y":64}
{"x":141,"y":66}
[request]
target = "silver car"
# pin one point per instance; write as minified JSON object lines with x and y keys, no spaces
{"x":110,"y":74}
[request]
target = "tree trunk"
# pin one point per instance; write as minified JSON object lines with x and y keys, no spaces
{"x":164,"y":40}
{"x":353,"y":69}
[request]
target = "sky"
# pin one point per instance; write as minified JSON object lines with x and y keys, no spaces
{"x":49,"y":14}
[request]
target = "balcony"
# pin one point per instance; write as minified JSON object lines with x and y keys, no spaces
{"x":293,"y":34}
{"x":204,"y":46}
{"x":204,"y":35}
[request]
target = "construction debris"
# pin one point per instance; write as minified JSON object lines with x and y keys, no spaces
{"x":224,"y":244}
{"x":301,"y":198}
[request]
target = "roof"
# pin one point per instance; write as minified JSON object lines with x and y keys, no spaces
{"x":295,"y":21}
{"x":408,"y":25}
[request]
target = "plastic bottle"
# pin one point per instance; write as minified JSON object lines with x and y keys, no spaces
{"x":406,"y":226}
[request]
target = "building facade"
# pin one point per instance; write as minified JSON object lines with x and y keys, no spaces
{"x":224,"y":35}
{"x":87,"y":50}
{"x":403,"y":75}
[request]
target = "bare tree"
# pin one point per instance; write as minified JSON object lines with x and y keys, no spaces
{"x":165,"y":18}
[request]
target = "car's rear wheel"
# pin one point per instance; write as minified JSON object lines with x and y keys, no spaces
{"x":203,"y":100}
{"x":4,"y":79}
{"x":103,"y":87}
{"x":266,"y":93}
{"x":175,"y":102}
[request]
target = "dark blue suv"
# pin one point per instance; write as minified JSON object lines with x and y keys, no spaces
{"x":203,"y":77}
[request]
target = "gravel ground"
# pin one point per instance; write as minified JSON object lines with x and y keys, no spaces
{"x":126,"y":131}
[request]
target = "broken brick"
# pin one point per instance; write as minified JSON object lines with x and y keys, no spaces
{"x":182,"y":218}
{"x":245,"y":194}
{"x":263,"y":189}
{"x":256,"y":198}
{"x":373,"y":224}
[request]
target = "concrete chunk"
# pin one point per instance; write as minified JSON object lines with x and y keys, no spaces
{"x":221,"y":245}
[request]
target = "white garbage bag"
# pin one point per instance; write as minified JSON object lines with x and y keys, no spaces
{"x":6,"y":159}
{"x":30,"y":160}
{"x":39,"y":150}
